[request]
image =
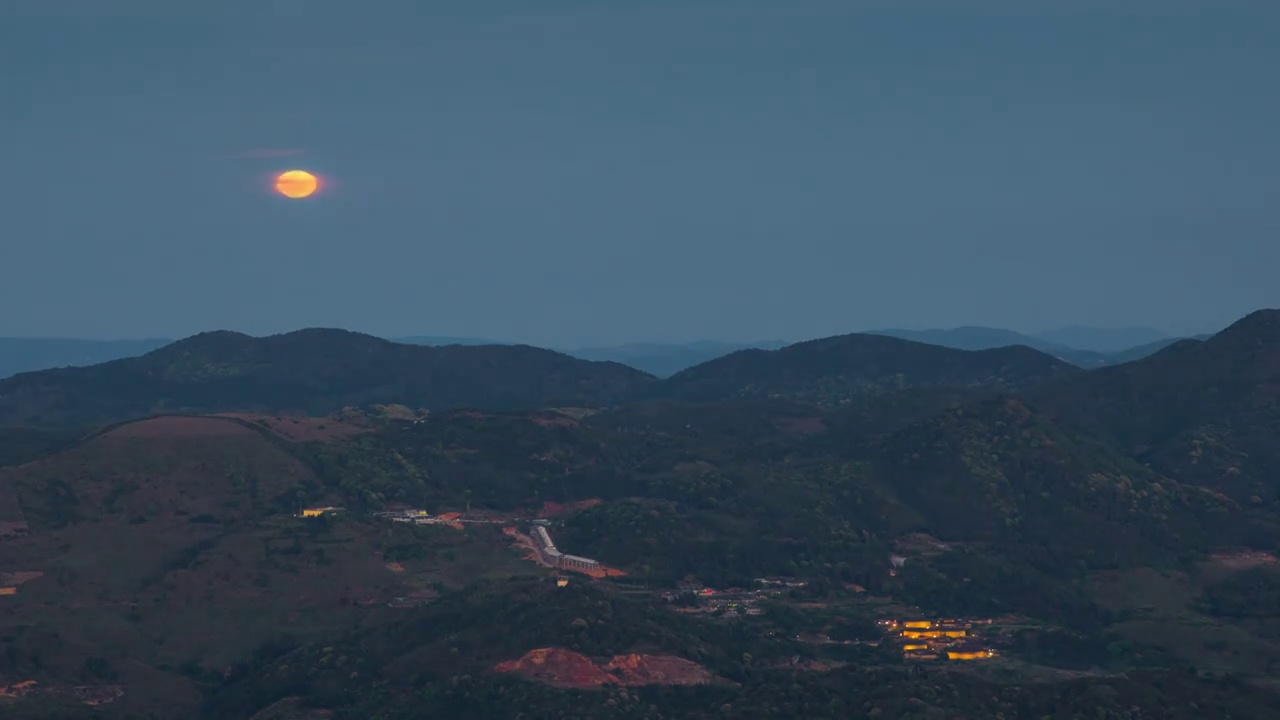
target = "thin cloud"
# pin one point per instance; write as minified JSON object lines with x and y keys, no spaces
{"x":269,"y":153}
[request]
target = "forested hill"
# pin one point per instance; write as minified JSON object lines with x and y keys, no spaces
{"x":314,"y":371}
{"x":838,"y":369}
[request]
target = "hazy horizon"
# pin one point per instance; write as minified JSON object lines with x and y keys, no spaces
{"x":579,"y":173}
{"x":589,"y":343}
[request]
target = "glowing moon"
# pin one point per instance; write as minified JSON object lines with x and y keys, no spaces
{"x":296,"y":184}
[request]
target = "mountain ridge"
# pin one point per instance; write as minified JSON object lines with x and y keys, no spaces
{"x":838,"y":368}
{"x":1101,"y":339}
{"x":1202,"y":411}
{"x":315,"y":370}
{"x":661,"y":359}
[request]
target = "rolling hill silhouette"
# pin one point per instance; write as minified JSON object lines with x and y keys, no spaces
{"x":314,"y":371}
{"x":836,"y":370}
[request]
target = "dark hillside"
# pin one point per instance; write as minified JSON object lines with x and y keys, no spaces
{"x":1148,"y":349}
{"x":1203,"y":412}
{"x":885,"y":413}
{"x":310,"y":371}
{"x":839,"y":369}
{"x":998,"y":471}
{"x":986,"y":338}
{"x":736,"y":431}
{"x":469,"y":632}
{"x":439,"y":662}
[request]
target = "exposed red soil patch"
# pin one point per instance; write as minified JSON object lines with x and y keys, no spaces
{"x":604,"y":571}
{"x":303,"y":428}
{"x":18,"y":689}
{"x":635,"y":669}
{"x":526,"y":544}
{"x":173,"y":426}
{"x":567,"y":669}
{"x":557,"y":667}
{"x":552,"y":509}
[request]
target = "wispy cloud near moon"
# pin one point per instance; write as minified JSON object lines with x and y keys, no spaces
{"x":269,"y":152}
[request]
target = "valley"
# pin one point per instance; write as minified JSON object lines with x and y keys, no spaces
{"x":809,"y":529}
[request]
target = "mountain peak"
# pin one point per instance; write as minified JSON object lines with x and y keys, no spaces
{"x":209,"y":341}
{"x":1258,"y":327}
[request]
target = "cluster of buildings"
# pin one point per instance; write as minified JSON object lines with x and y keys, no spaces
{"x":452,"y":519}
{"x":934,"y":639}
{"x":780,"y":582}
{"x":557,"y":559}
{"x":731,"y":603}
{"x":413,"y":515}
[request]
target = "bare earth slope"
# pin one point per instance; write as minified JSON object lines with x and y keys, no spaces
{"x":168,"y":541}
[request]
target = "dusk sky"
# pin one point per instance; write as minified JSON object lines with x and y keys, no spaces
{"x":563,"y":172}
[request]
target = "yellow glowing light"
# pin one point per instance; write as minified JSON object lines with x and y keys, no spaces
{"x":296,"y":184}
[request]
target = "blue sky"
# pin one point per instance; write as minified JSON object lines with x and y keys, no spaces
{"x":567,"y":172}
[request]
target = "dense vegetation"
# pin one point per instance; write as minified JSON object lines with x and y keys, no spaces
{"x":1200,"y":412}
{"x":841,"y":369}
{"x":309,"y":371}
{"x":1250,"y":594}
{"x":322,"y":371}
{"x":437,"y":662}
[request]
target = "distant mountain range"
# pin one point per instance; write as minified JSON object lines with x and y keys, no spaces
{"x":1098,"y":347}
{"x":1103,"y":340}
{"x":319,"y":371}
{"x":1087,"y":355}
{"x":314,"y":371}
{"x":666,"y":359}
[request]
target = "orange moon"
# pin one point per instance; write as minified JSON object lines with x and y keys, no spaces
{"x":296,"y":184}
